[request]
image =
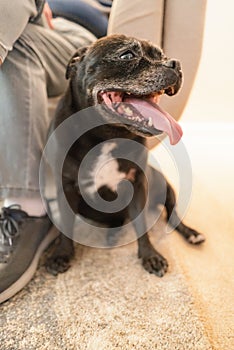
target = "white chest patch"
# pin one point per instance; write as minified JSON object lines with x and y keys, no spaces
{"x":105,"y":170}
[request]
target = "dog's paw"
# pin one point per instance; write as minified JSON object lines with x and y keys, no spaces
{"x":157,"y":265}
{"x":57,"y":264}
{"x":196,"y":238}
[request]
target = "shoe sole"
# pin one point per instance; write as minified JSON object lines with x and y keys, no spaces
{"x":26,"y":277}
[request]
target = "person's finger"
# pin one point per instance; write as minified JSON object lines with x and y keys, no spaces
{"x":48,"y":15}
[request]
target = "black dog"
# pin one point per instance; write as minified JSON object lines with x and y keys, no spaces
{"x":123,"y":79}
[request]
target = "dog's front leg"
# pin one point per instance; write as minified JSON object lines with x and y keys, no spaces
{"x":152,"y":261}
{"x":63,"y":249}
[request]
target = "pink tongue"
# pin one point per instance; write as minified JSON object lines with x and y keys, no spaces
{"x":161,"y":119}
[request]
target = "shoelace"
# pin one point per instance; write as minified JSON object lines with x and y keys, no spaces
{"x":8,"y":225}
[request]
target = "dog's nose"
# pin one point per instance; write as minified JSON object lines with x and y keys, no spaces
{"x":171,"y":64}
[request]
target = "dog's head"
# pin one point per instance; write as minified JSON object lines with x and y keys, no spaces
{"x":125,"y":77}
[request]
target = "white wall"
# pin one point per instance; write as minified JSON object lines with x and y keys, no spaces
{"x":213,"y":95}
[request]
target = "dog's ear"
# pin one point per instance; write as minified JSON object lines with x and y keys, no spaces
{"x":77,"y":57}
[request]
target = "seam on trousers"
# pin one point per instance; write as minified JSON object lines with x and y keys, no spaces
{"x":29,"y":123}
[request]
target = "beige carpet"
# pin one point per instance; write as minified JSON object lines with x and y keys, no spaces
{"x":107,"y":301}
{"x":209,"y":270}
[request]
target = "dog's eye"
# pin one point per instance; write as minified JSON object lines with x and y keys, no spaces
{"x":128,"y":55}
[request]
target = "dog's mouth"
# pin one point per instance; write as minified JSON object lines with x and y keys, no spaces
{"x":143,"y":112}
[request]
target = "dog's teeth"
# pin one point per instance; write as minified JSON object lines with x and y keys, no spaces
{"x":128,"y":111}
{"x":150,"y":122}
{"x":172,"y":90}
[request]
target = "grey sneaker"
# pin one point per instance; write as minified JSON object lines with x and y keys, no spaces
{"x":23,"y":239}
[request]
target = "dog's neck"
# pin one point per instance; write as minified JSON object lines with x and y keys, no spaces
{"x":75,"y":97}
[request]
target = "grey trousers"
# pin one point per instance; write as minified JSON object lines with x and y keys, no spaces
{"x":32,"y":71}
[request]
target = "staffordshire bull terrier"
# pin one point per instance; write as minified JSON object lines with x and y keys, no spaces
{"x":123,"y":79}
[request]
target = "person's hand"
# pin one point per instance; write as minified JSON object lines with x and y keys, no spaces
{"x":48,"y":15}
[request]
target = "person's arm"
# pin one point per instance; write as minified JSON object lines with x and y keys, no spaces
{"x":14,"y":16}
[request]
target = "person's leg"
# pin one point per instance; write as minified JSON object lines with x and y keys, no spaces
{"x":177,"y":26}
{"x":34,"y":69}
{"x":23,"y":90}
{"x":83,"y":13}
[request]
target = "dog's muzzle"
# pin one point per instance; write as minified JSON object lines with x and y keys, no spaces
{"x":143,"y":112}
